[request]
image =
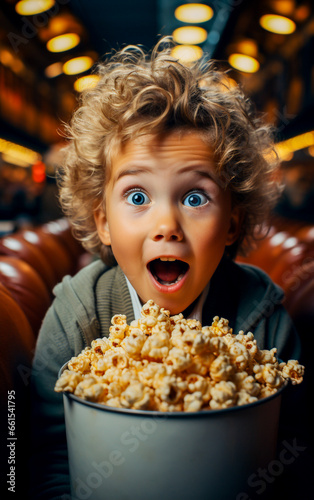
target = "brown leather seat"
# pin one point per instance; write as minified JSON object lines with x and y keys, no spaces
{"x":61,"y":261}
{"x":16,"y":246}
{"x":27,"y":288}
{"x":62,"y":230}
{"x":289,"y":271}
{"x":305,"y":234}
{"x":266,"y":250}
{"x":271,"y":250}
{"x":16,"y":346}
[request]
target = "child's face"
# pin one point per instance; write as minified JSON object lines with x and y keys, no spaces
{"x":167,"y":218}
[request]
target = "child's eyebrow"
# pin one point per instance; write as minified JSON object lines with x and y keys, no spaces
{"x":201,"y":172}
{"x":207,"y":175}
{"x":131,"y":171}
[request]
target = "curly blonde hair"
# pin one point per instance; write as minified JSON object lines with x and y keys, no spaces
{"x":140,"y":93}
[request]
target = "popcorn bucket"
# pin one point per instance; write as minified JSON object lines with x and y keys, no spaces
{"x":120,"y":454}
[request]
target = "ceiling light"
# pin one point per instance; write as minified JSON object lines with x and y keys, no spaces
{"x":77,"y":65}
{"x":53,"y":70}
{"x":62,"y":43}
{"x":86,"y":82}
{"x":194,"y":13}
{"x":244,"y":63}
{"x":302,"y":13}
{"x":189,"y":35}
{"x":6,"y":58}
{"x":31,"y":7}
{"x":8,"y":158}
{"x":17,"y":154}
{"x":187,"y":53}
{"x":248,"y":47}
{"x":284,"y":7}
{"x":311,"y":150}
{"x":11,"y":61}
{"x":227,"y":83}
{"x":296,"y":143}
{"x":277,"y":24}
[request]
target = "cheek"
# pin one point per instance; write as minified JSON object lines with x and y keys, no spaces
{"x":214,"y":227}
{"x":210,"y":238}
{"x":123,"y":235}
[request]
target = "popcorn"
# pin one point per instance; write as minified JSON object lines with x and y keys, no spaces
{"x":169,"y":363}
{"x":193,"y":402}
{"x":179,"y":359}
{"x":136,"y":395}
{"x":68,"y":382}
{"x":133,"y":343}
{"x":293,"y":371}
{"x":81,"y":363}
{"x":223,"y":395}
{"x":268,"y":375}
{"x":245,"y":398}
{"x":91,"y":389}
{"x":156,"y":346}
{"x":221,"y":368}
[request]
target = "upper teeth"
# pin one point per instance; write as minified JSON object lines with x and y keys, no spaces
{"x":172,"y":259}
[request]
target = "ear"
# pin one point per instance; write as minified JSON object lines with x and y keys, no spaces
{"x":102,"y":226}
{"x":235,"y":226}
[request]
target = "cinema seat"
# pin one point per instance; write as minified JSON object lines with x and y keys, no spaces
{"x":26,"y":288}
{"x":15,"y":245}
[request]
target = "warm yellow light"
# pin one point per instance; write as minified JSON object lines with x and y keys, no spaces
{"x":277,"y":24}
{"x":187,"y":53}
{"x":77,"y":65}
{"x":54,"y":70}
{"x":11,"y":61}
{"x":248,"y":47}
{"x":86,"y":82}
{"x":17,"y":154}
{"x":227,"y":83}
{"x":62,"y":43}
{"x":31,"y":7}
{"x":284,"y":7}
{"x":6,"y":57}
{"x":194,"y":13}
{"x":311,"y":150}
{"x":189,"y":35}
{"x":244,"y":63}
{"x":302,"y":141}
{"x":14,"y":160}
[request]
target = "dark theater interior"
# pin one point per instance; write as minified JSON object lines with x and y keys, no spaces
{"x":267,"y":48}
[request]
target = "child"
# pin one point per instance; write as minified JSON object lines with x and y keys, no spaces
{"x":167,"y":175}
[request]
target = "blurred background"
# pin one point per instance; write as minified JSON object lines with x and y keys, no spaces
{"x":49,"y":48}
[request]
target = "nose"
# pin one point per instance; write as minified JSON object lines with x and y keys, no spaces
{"x":167,"y":226}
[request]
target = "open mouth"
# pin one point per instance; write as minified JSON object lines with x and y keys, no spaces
{"x":168,"y":271}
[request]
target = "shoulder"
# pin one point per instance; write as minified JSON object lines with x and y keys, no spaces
{"x":255,"y":303}
{"x":87,"y":277}
{"x":249,"y":281}
{"x":73,"y":312}
{"x":83,"y":285}
{"x":244,"y":294}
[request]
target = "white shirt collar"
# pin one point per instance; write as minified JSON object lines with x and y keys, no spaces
{"x":196,"y":313}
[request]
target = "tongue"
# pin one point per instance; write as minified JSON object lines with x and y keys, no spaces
{"x":167,"y":270}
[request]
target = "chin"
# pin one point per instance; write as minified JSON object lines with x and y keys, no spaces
{"x":174,"y":308}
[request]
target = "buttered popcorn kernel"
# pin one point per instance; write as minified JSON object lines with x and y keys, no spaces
{"x":169,"y":363}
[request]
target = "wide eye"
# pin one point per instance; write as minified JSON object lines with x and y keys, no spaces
{"x":137,"y":198}
{"x":195,"y":199}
